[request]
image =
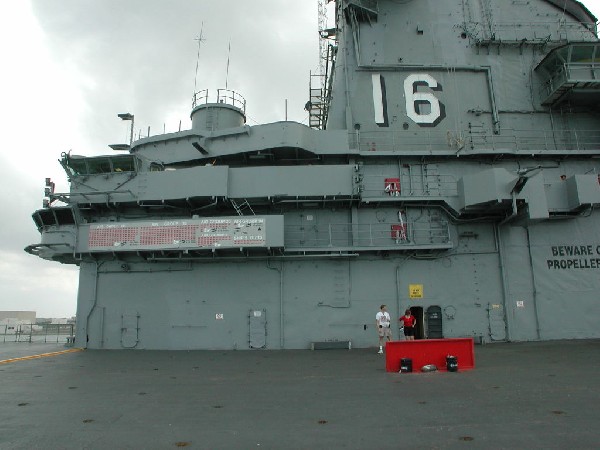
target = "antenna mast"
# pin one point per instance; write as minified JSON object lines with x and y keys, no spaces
{"x":322,"y":40}
{"x":200,"y":39}
{"x":227,"y":73}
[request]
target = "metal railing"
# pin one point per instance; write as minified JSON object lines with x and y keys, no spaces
{"x":418,"y":185}
{"x":379,"y":235}
{"x":535,"y":140}
{"x":531,"y":32}
{"x":423,"y":141}
{"x":570,"y":73}
{"x":477,"y":139}
{"x":46,"y":333}
{"x":224,"y":96}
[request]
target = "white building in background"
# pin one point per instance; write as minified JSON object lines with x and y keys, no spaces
{"x":26,"y":322}
{"x":13,"y":322}
{"x":22,"y":316}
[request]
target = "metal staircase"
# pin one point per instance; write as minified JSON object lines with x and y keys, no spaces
{"x":241,"y":207}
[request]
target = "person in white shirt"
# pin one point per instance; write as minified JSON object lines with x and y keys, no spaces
{"x":382,"y":323}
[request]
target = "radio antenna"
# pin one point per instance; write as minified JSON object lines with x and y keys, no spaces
{"x":200,"y":39}
{"x":227,"y":73}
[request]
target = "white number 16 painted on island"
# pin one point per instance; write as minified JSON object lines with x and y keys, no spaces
{"x":423,"y":108}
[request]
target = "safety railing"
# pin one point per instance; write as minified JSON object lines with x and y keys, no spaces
{"x":477,"y":139}
{"x":391,"y":141}
{"x":30,"y":332}
{"x":523,"y":33}
{"x":515,"y":140}
{"x":568,"y":74}
{"x":76,"y":166}
{"x":417,"y":185}
{"x":224,"y":96}
{"x":380,"y":235}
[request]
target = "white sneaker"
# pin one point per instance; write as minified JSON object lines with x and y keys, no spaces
{"x":380,"y":352}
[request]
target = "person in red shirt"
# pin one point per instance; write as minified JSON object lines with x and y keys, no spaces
{"x":408,"y":322}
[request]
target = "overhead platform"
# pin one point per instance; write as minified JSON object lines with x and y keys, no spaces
{"x":571,"y":73}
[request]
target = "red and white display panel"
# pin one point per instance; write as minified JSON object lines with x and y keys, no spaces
{"x":224,"y":232}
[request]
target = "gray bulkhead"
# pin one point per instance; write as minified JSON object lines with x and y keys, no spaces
{"x":448,"y":175}
{"x":312,"y":299}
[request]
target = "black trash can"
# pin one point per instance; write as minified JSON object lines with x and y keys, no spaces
{"x":406,"y":365}
{"x":451,"y":363}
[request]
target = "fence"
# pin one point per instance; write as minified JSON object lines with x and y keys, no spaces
{"x":43,"y":333}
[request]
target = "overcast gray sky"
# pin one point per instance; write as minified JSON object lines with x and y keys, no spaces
{"x":70,"y":66}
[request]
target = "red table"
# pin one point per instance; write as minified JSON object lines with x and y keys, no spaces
{"x":430,"y":351}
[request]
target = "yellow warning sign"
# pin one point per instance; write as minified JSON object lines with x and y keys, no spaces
{"x":415,"y":291}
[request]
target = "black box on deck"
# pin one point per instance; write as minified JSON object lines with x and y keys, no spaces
{"x":405,"y":365}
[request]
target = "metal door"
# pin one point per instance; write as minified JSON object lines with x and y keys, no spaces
{"x":497,"y":322}
{"x":257,"y":319}
{"x":434,"y":322}
{"x":129,"y":330}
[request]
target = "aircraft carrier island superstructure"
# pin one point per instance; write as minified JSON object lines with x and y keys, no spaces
{"x":450,"y":166}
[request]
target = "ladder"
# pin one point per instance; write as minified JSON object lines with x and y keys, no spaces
{"x":241,"y":207}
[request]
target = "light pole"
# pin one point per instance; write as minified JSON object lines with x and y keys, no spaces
{"x":128,"y":116}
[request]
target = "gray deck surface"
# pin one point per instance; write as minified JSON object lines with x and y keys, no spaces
{"x":542,"y":395}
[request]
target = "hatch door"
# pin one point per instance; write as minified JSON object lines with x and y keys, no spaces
{"x":497,"y":322}
{"x":129,"y":329}
{"x":258,"y":328}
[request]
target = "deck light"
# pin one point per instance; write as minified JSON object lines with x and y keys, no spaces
{"x":128,"y":116}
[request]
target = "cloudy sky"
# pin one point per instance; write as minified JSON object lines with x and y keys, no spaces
{"x":70,"y":66}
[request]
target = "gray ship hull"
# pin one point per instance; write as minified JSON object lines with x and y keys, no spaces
{"x":528,"y":284}
{"x":450,"y":166}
